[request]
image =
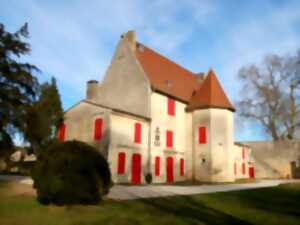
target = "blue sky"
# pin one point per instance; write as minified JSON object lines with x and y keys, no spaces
{"x":75,"y":40}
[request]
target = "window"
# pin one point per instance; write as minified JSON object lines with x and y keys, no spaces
{"x":121,"y":163}
{"x":137,"y":133}
{"x":202,"y":135}
{"x":169,"y":138}
{"x":157,"y":166}
{"x":235,"y":168}
{"x":181,"y":167}
{"x":62,"y":132}
{"x":171,"y":107}
{"x":243,"y":168}
{"x":98,"y":129}
{"x":243,"y":153}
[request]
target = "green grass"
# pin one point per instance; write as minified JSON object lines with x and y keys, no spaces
{"x":279,"y":205}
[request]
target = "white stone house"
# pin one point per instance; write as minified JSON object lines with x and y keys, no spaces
{"x":150,"y":115}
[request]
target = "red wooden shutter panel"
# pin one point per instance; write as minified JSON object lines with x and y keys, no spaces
{"x":243,"y":153}
{"x":157,"y":166}
{"x":181,"y":167}
{"x":243,"y":168}
{"x":98,"y":129}
{"x":62,"y":132}
{"x":171,"y":107}
{"x":169,"y":138}
{"x":202,"y":135}
{"x":137,"y":132}
{"x":121,"y":163}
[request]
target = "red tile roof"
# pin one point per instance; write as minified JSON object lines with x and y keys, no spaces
{"x":171,"y":79}
{"x":210,"y":95}
{"x":166,"y":76}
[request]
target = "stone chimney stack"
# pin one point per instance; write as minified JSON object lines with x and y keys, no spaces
{"x":92,"y":89}
{"x":131,"y":38}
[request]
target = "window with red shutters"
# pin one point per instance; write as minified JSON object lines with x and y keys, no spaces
{"x":243,"y":168}
{"x":98,"y":129}
{"x":171,"y":107}
{"x":169,"y":139}
{"x":202,"y":135}
{"x":137,"y":133}
{"x":62,"y":132}
{"x":121,"y":162}
{"x":243,"y":153}
{"x":157,"y":166}
{"x":181,"y":167}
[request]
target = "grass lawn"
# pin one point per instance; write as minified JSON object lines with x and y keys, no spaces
{"x":279,"y":205}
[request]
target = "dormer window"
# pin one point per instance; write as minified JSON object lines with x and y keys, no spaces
{"x":168,"y":83}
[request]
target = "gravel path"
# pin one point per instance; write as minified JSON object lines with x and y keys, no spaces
{"x":127,"y":192}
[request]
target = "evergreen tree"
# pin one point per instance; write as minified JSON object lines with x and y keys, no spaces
{"x":18,"y":86}
{"x":43,"y":117}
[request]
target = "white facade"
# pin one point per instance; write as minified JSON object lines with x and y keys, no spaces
{"x":144,"y":123}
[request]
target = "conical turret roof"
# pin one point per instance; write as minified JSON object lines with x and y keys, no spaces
{"x":210,"y":95}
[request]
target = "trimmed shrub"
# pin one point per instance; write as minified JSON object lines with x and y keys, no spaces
{"x":71,"y":172}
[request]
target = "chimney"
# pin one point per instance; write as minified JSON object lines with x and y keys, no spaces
{"x":131,"y":38}
{"x":92,"y":89}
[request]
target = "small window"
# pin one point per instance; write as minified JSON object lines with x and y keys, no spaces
{"x":62,"y":132}
{"x":169,"y":139}
{"x":137,"y":133}
{"x":243,"y":168}
{"x":121,"y":162}
{"x":181,"y":167}
{"x":171,"y":107}
{"x":98,"y":129}
{"x":157,"y":166}
{"x":243,"y":153}
{"x":202,"y":135}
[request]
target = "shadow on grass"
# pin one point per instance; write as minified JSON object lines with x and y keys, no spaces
{"x":192,"y":212}
{"x":282,"y":200}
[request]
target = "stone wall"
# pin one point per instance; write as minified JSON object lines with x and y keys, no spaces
{"x":273,"y":159}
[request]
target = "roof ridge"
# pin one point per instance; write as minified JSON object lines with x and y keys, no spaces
{"x":164,"y":57}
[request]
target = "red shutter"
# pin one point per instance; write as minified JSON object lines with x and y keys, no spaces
{"x":98,"y":129}
{"x":202,"y":135}
{"x":121,"y":163}
{"x":62,"y":132}
{"x":157,"y":166}
{"x":243,"y":153}
{"x":169,"y":138}
{"x":181,"y":167}
{"x":137,"y":132}
{"x":243,"y":168}
{"x":171,"y":107}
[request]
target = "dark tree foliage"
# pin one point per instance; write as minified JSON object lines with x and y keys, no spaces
{"x":18,"y":87}
{"x":43,"y":117}
{"x":71,"y":172}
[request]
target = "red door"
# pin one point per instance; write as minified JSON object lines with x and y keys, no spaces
{"x":251,"y":172}
{"x":136,"y":169}
{"x":170,"y":177}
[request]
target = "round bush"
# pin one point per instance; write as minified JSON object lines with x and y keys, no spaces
{"x":71,"y":172}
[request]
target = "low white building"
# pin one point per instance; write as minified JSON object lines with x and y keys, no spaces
{"x":150,"y":115}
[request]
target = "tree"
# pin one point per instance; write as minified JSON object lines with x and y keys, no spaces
{"x":71,"y":172}
{"x":270,"y":95}
{"x":43,"y":117}
{"x":18,"y":85}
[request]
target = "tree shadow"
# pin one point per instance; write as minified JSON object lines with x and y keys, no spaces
{"x":191,"y":211}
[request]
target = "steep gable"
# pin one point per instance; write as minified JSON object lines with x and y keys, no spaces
{"x":166,"y":76}
{"x":210,"y":95}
